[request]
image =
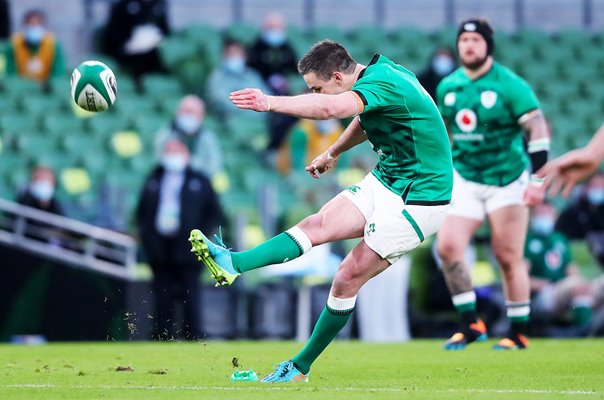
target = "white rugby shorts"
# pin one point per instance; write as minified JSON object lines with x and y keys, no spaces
{"x":392,"y":228}
{"x":475,"y":200}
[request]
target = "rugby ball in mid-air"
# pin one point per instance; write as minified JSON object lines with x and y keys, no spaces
{"x":93,"y":86}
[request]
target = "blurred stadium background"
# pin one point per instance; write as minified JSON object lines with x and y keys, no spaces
{"x":102,"y":160}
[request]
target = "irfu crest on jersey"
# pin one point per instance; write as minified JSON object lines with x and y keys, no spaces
{"x":488,"y":98}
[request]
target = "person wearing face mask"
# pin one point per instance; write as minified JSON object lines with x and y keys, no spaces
{"x":232,"y":74}
{"x":557,"y":287}
{"x":442,"y":63}
{"x":307,"y":140}
{"x":40,"y":193}
{"x":188,"y":127}
{"x":274,"y":58}
{"x":174,"y":199}
{"x":583,"y":218}
{"x":34,"y":52}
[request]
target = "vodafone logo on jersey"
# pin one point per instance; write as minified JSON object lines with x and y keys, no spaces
{"x":466,"y":120}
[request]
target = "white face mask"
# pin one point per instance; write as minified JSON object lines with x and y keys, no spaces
{"x":34,"y":34}
{"x":42,"y":190}
{"x":274,"y":37}
{"x":188,"y":123}
{"x":595,"y":196}
{"x":326,"y":126}
{"x":174,"y":162}
{"x":542,"y":224}
{"x":443,"y":65}
{"x":234,"y":65}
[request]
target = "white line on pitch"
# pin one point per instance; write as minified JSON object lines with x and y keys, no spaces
{"x":295,"y":387}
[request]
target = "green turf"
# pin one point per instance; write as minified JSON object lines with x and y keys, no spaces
{"x":551,"y":369}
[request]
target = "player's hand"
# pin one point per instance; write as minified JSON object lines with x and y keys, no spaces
{"x":321,"y":164}
{"x":251,"y":99}
{"x":565,"y":172}
{"x":534,"y":194}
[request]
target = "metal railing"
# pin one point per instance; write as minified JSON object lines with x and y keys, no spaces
{"x":63,"y":239}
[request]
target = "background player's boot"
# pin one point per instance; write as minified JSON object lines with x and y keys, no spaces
{"x":215,"y":256}
{"x":286,"y":372}
{"x":513,"y":342}
{"x":476,"y":332}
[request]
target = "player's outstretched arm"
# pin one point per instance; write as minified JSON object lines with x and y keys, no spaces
{"x":312,"y":106}
{"x":536,"y":128}
{"x":352,"y":136}
{"x":563,"y":173}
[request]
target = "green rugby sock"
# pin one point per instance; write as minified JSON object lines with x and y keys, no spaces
{"x":284,"y":247}
{"x":329,"y":324}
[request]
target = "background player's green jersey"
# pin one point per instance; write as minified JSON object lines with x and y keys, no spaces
{"x":549,"y":255}
{"x":406,"y":131}
{"x":483,"y":118}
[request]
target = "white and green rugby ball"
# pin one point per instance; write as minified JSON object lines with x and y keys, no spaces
{"x":93,"y":86}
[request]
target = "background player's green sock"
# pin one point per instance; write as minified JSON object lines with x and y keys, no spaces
{"x":582,"y":311}
{"x":334,"y":317}
{"x":465,"y":304}
{"x":518,"y":315}
{"x":284,"y":247}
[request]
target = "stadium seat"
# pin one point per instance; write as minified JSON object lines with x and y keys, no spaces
{"x":62,"y":122}
{"x":243,"y":33}
{"x":35,"y":144}
{"x":158,"y":86}
{"x":13,"y":124}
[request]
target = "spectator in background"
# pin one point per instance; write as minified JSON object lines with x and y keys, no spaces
{"x":274,"y":58}
{"x":4,"y":20}
{"x":174,"y":200}
{"x":442,"y":63}
{"x":187,"y":126}
{"x":40,"y":191}
{"x":583,"y":218}
{"x":556,"y":285}
{"x":34,"y":52}
{"x":308,"y":139}
{"x":133,"y":33}
{"x":232,"y":74}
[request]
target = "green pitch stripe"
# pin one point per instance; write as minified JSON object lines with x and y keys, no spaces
{"x":420,"y":235}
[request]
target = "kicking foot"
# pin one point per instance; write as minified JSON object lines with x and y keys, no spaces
{"x":215,"y":256}
{"x":476,"y":332}
{"x":286,"y":372}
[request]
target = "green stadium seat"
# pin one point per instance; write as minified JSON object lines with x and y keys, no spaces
{"x":132,"y":106}
{"x":243,"y":33}
{"x":175,"y":49}
{"x":42,"y":105}
{"x":370,"y":37}
{"x":17,"y":87}
{"x":107,"y":123}
{"x":14,"y":124}
{"x":328,"y":32}
{"x":159,"y":86}
{"x":35,"y":144}
{"x":62,"y":122}
{"x":147,"y":126}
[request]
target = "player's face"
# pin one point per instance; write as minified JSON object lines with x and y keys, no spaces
{"x":472,"y":50}
{"x":318,"y":85}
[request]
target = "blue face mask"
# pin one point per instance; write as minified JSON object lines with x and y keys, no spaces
{"x":34,"y":34}
{"x":188,"y":123}
{"x":173,"y":162}
{"x":443,"y":65}
{"x":326,"y":126}
{"x":274,"y":37}
{"x":542,"y":225}
{"x":42,"y":190}
{"x":235,"y":65}
{"x":596,"y":196}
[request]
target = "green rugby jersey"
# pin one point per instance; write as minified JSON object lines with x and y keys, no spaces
{"x":406,"y":131}
{"x":482,"y":116}
{"x":549,"y":255}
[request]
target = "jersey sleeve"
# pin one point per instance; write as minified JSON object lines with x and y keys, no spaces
{"x":373,"y":94}
{"x":521,"y":97}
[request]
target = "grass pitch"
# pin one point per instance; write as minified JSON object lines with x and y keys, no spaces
{"x":551,"y":369}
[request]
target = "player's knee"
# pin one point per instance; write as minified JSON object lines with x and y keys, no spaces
{"x":509,"y":262}
{"x":449,"y":252}
{"x":313,"y":227}
{"x":347,"y":280}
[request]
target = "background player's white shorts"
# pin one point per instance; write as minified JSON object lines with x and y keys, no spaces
{"x":475,"y":200}
{"x":392,"y":228}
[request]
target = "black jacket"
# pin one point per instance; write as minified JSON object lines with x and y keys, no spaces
{"x":199,"y":209}
{"x":268,"y":61}
{"x":580,"y":218}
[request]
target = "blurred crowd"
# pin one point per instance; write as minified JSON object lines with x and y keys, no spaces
{"x":180,"y":190}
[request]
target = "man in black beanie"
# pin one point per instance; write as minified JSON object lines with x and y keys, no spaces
{"x":487,"y":109}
